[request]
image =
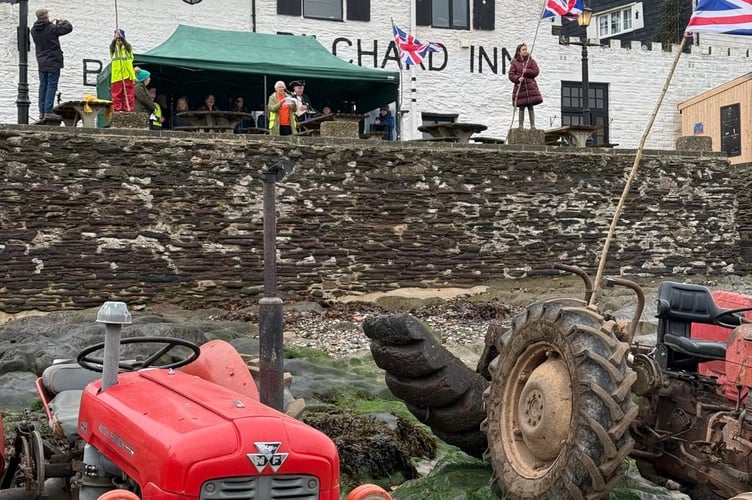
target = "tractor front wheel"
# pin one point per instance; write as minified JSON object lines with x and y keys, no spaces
{"x":558,"y":407}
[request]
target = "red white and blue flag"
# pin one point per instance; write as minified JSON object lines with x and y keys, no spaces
{"x":565,"y":8}
{"x":729,"y":17}
{"x":411,"y":50}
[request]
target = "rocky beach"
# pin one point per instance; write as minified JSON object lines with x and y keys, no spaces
{"x":459,"y":316}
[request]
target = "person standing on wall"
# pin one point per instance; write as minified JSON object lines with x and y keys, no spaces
{"x":46,"y":35}
{"x":122,"y":73}
{"x":526,"y":94}
{"x":282,"y":109}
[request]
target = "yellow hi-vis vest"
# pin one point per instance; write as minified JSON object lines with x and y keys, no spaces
{"x":122,"y":65}
{"x":156,"y":115}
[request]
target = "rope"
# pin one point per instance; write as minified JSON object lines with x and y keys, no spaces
{"x":632,"y":173}
{"x":531,"y":48}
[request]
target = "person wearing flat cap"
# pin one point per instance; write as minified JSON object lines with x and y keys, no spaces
{"x":305,"y":110}
{"x":144,"y":102}
{"x":46,"y":35}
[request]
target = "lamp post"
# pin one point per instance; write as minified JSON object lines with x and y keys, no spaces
{"x":271,"y":364}
{"x":22,"y":40}
{"x":584,"y":21}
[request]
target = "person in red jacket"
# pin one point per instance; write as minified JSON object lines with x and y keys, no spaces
{"x":522,"y":73}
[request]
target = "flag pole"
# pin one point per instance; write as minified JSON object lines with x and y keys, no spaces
{"x":632,"y":173}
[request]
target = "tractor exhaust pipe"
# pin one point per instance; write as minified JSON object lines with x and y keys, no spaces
{"x":114,"y":315}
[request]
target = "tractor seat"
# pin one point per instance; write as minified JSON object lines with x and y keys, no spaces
{"x":64,"y":383}
{"x":702,"y":349}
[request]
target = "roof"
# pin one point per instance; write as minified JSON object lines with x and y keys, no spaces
{"x":199,"y":61}
{"x":258,"y":53}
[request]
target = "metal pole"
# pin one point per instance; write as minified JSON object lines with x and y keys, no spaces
{"x":22,"y":101}
{"x":271,"y":361}
{"x":270,"y":235}
{"x":585,"y":81}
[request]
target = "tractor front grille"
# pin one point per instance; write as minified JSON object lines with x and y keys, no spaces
{"x":261,"y":488}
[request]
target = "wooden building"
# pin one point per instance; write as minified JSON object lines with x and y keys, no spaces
{"x":724,"y":114}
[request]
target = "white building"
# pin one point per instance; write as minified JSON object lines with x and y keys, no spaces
{"x":467,"y":80}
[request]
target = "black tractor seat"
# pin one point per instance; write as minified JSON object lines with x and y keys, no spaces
{"x":680,"y":305}
{"x":703,"y":349}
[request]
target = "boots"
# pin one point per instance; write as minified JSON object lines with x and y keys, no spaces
{"x":532,"y":117}
{"x":522,"y":117}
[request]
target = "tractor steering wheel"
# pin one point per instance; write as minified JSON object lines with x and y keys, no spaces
{"x":86,"y":360}
{"x":731,"y":318}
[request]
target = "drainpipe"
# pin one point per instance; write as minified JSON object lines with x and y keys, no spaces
{"x":414,"y":118}
{"x":253,"y":16}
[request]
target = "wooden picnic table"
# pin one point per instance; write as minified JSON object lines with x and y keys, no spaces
{"x":220,"y":121}
{"x":458,"y":130}
{"x":573,"y":135}
{"x":85,"y":111}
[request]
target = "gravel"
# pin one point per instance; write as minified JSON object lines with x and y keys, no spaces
{"x":336,"y":328}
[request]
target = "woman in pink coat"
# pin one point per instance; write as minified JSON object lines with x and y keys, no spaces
{"x":522,"y":73}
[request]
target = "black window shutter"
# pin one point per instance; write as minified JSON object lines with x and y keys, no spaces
{"x":289,"y":7}
{"x":359,"y":10}
{"x":484,"y":14}
{"x":423,"y":12}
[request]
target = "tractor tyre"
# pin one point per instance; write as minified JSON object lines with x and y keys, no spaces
{"x":558,"y":409}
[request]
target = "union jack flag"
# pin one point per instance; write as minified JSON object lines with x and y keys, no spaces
{"x":565,"y":8}
{"x":411,"y":50}
{"x":730,"y":17}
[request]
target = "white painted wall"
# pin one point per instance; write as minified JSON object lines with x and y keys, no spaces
{"x":635,"y":76}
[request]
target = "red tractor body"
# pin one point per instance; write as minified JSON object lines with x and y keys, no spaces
{"x":175,"y":434}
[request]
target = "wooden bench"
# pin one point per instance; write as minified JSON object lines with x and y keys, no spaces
{"x":487,"y":140}
{"x":204,"y":128}
{"x":312,"y":132}
{"x":571,"y":135}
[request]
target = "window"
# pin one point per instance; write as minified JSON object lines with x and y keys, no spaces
{"x":323,"y":9}
{"x":288,"y":7}
{"x":357,"y":10}
{"x":571,"y":108}
{"x":622,"y":20}
{"x":443,"y":13}
{"x":484,"y":14}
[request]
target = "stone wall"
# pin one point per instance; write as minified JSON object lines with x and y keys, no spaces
{"x":92,"y":215}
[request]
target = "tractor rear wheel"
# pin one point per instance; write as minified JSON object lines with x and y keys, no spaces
{"x":558,"y":407}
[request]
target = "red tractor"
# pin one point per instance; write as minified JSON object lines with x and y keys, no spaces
{"x":571,"y":395}
{"x":561,"y":399}
{"x":173,"y":422}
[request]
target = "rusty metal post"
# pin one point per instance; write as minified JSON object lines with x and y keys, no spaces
{"x":271,"y":324}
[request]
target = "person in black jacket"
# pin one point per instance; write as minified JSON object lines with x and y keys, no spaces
{"x":46,"y":36}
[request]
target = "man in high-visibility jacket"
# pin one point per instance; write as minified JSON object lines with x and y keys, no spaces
{"x":156,"y":119}
{"x":122,"y":73}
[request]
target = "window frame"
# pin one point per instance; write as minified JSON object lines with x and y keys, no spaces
{"x":340,"y":3}
{"x":451,"y":22}
{"x":602,"y":26}
{"x":571,"y":113}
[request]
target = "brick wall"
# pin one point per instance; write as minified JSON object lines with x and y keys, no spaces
{"x":93,"y":215}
